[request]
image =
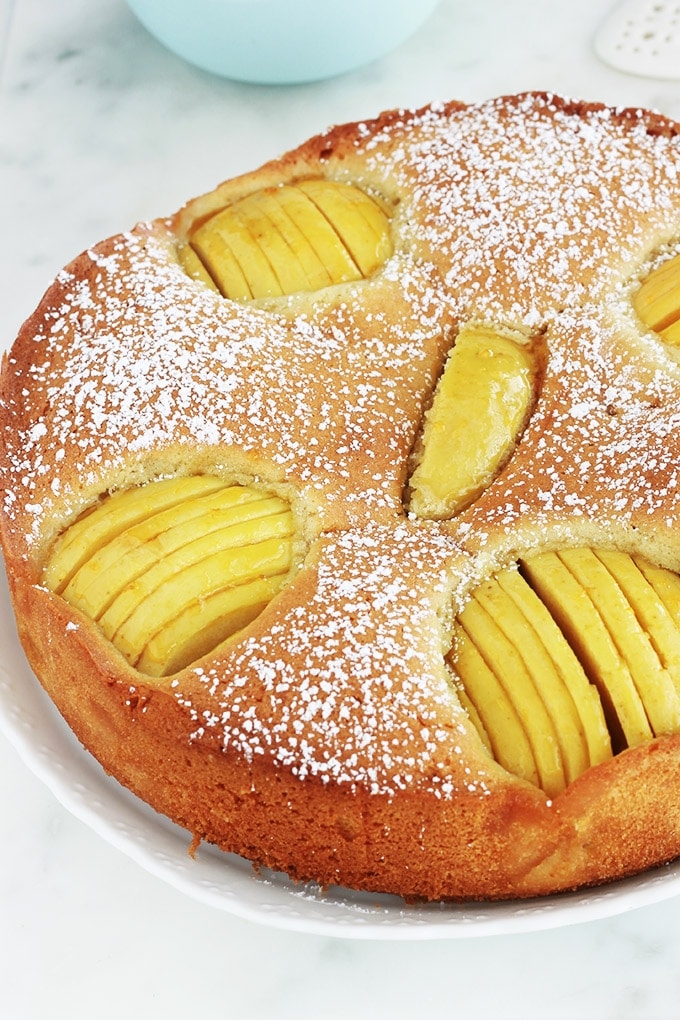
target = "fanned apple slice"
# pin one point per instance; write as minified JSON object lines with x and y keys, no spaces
{"x":203,"y":625}
{"x":125,"y":558}
{"x":665,"y":583}
{"x":504,"y":660}
{"x":577,"y":617}
{"x":122,"y":510}
{"x":294,"y":238}
{"x":323,"y":238}
{"x":174,"y":568}
{"x":271,"y":214}
{"x":504,"y":731}
{"x":541,"y":668}
{"x":231,"y":581}
{"x":221,"y":559}
{"x":653,"y":614}
{"x":657,"y":301}
{"x":480,"y":406}
{"x":250,"y":255}
{"x":193,"y":266}
{"x":595,"y":635}
{"x":358,"y":221}
{"x":653,"y":683}
{"x":584,"y":694}
{"x":282,"y":252}
{"x":213,"y":250}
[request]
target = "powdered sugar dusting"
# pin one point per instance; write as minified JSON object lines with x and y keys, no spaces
{"x":350,"y":686}
{"x":534,"y":214}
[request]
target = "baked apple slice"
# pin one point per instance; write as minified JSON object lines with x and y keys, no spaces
{"x":481,"y":404}
{"x":504,"y":660}
{"x":585,"y":646}
{"x":578,"y":618}
{"x":657,"y":301}
{"x":568,"y":667}
{"x":491,"y":708}
{"x":651,"y":679}
{"x":295,"y":238}
{"x":173,"y":568}
{"x":544,"y":675}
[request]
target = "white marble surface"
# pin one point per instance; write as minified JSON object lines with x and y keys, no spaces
{"x":100,"y":127}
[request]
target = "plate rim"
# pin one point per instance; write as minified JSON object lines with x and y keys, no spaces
{"x":50,"y":750}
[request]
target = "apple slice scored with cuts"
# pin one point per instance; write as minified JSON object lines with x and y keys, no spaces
{"x":579,"y":620}
{"x":294,"y":238}
{"x":480,"y":406}
{"x":212,"y":563}
{"x":583,"y":693}
{"x":118,"y":564}
{"x":546,"y":679}
{"x":657,"y":301}
{"x":193,"y":267}
{"x":173,"y":568}
{"x":594,"y":634}
{"x":652,"y":681}
{"x":203,"y":625}
{"x":503,"y":732}
{"x":504,"y":660}
{"x":100,"y":524}
{"x":654,"y":616}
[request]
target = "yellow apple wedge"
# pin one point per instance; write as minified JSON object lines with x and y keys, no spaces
{"x":653,"y":683}
{"x":213,"y":560}
{"x":116,"y":565}
{"x":480,"y":405}
{"x":665,"y":583}
{"x":545,"y":677}
{"x":654,"y":616}
{"x":584,"y":694}
{"x":196,"y":581}
{"x":283,"y":251}
{"x":298,"y":237}
{"x":268,"y":211}
{"x":506,"y":736}
{"x":250,"y":255}
{"x":116,"y":513}
{"x":148,"y":564}
{"x":212,"y":248}
{"x":322,"y":236}
{"x":203,"y":625}
{"x":193,"y":266}
{"x":503,"y":659}
{"x":359,"y":221}
{"x":577,"y":617}
{"x":657,"y":301}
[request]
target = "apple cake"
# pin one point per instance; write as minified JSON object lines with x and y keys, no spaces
{"x":340,"y":508}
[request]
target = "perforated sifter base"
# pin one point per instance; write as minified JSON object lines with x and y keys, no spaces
{"x":642,"y":37}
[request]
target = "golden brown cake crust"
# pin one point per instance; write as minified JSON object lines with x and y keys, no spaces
{"x":328,"y":740}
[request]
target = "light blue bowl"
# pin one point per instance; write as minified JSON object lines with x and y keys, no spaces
{"x":281,"y":41}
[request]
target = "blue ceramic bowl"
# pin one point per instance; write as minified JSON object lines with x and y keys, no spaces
{"x":281,"y":41}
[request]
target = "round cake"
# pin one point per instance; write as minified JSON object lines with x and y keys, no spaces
{"x":340,"y":509}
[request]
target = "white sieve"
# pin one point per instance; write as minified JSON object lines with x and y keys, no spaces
{"x":642,"y":37}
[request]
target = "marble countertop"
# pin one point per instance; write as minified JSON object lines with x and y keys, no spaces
{"x":101,"y":127}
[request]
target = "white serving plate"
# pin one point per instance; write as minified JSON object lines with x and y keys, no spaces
{"x":48,"y":747}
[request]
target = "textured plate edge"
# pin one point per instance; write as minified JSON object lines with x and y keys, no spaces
{"x":74,"y":778}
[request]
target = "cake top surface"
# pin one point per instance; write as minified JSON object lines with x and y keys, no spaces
{"x":531,"y":213}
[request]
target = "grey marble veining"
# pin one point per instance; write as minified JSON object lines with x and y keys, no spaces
{"x":101,"y":127}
